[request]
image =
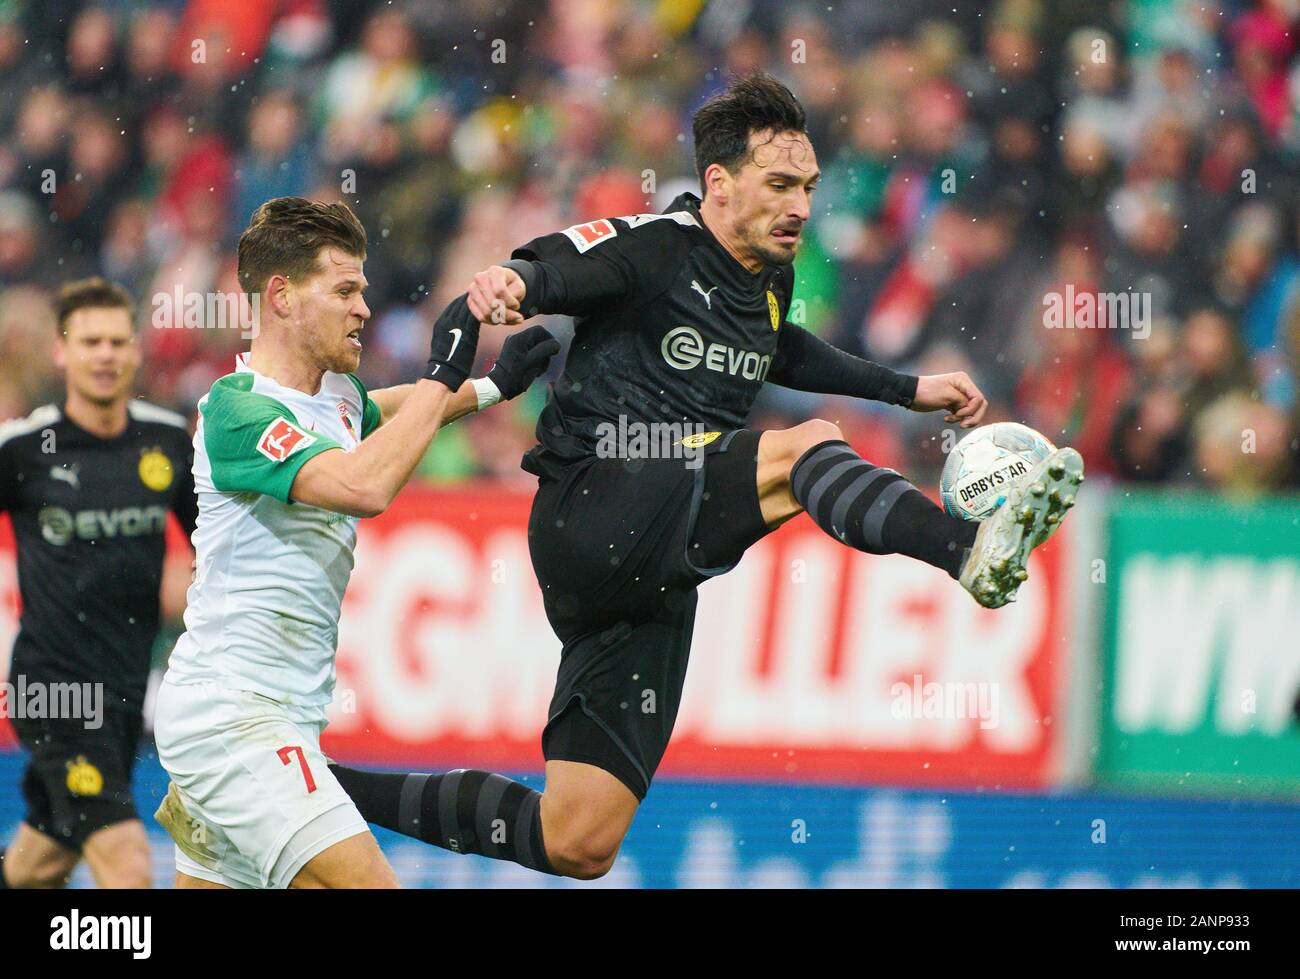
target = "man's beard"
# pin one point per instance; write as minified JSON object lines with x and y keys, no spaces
{"x":331,"y":354}
{"x":346,"y":360}
{"x":774,"y":254}
{"x":343,"y":362}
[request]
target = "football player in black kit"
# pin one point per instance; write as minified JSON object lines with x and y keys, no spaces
{"x":88,"y":485}
{"x":679,"y":320}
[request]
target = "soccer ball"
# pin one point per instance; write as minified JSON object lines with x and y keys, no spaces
{"x":984,"y":467}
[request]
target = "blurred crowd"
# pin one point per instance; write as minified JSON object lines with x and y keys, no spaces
{"x":983,"y":163}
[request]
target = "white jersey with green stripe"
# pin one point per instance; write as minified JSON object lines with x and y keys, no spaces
{"x":264,"y":607}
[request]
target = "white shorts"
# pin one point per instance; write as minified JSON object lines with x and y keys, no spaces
{"x":251,"y":776}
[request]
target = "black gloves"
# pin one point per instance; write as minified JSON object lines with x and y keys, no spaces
{"x":454,"y":344}
{"x":524,"y":357}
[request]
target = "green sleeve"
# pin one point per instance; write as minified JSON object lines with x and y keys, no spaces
{"x":254,"y":443}
{"x":371,"y":416}
{"x":371,"y":419}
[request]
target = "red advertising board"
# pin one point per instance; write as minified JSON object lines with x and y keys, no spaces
{"x":810,"y":662}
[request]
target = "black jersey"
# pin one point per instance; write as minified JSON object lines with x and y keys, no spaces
{"x":89,"y":516}
{"x":669,"y":328}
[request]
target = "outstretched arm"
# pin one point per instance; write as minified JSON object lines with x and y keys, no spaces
{"x":521,"y":288}
{"x":805,"y":362}
{"x":390,"y":401}
{"x":583,"y":269}
{"x":524,"y":356}
{"x":362,"y":483}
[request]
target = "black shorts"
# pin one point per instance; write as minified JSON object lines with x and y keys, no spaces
{"x":619,"y":547}
{"x":78,"y":780}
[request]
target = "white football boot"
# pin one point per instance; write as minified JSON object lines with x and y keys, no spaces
{"x":995,"y":566}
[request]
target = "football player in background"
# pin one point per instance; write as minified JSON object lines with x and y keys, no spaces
{"x":88,"y":485}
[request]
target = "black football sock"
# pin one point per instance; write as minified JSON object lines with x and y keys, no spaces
{"x":462,"y":811}
{"x":3,"y":883}
{"x":876,"y":510}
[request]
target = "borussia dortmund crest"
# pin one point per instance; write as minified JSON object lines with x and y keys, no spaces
{"x":84,"y":778}
{"x":156,"y":470}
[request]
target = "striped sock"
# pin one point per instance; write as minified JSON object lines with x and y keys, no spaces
{"x":464,"y":811}
{"x":876,"y":510}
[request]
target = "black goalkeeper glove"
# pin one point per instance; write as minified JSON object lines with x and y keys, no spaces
{"x":454,"y":345}
{"x":524,"y":356}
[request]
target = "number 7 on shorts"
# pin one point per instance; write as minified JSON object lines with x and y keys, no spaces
{"x":284,"y":754}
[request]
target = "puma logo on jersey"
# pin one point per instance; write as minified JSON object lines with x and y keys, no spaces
{"x":708,"y":300}
{"x":282,"y":439}
{"x":67,"y":474}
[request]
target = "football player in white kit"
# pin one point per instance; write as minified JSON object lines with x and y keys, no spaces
{"x":290,"y":451}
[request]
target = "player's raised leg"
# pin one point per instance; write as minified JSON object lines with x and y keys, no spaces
{"x":871,"y":508}
{"x":810,"y":467}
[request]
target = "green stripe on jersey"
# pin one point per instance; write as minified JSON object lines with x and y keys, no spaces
{"x":254,"y":443}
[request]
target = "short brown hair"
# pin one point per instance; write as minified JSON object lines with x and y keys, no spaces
{"x":287,"y":233}
{"x":92,"y":293}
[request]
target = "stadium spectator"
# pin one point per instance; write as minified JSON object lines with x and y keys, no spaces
{"x":1241,"y":446}
{"x":275,"y":161}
